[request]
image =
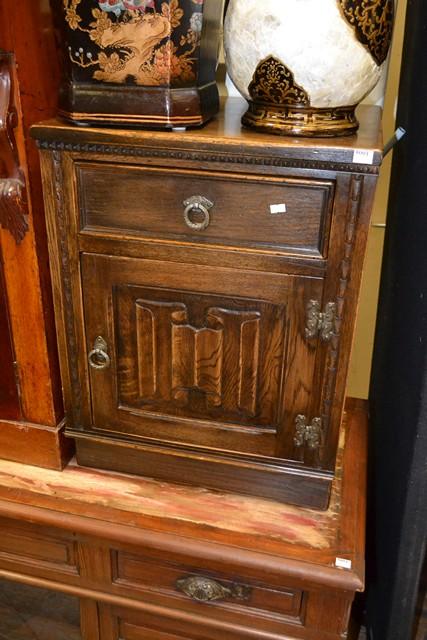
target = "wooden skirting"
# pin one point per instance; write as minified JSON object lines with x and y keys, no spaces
{"x":35,"y":444}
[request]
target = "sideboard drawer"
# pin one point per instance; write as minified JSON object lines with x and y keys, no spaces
{"x":118,"y":623}
{"x":198,"y":589}
{"x":44,"y":550}
{"x":265,"y":213}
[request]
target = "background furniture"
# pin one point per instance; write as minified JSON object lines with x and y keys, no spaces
{"x":151,"y":559}
{"x":206,"y":285}
{"x":398,"y":513}
{"x":30,"y":391}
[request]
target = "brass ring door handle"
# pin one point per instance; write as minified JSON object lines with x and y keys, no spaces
{"x":198,"y":205}
{"x":98,"y":357}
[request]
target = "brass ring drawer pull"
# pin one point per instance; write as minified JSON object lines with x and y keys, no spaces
{"x":197,"y":205}
{"x":208,"y":590}
{"x":98,"y":357}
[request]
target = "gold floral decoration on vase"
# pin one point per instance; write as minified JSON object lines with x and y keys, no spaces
{"x":135,"y":45}
{"x":373,"y":24}
{"x":274,"y":83}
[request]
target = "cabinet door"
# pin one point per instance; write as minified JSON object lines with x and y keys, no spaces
{"x":198,"y":355}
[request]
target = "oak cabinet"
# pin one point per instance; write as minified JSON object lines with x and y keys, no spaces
{"x":205,"y":289}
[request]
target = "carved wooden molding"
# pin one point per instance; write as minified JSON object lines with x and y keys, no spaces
{"x":356,"y":188}
{"x":68,"y":298}
{"x":225,"y":158}
{"x":13,"y":206}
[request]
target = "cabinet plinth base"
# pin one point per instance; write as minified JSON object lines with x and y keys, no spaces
{"x":281,"y":483}
{"x":35,"y":444}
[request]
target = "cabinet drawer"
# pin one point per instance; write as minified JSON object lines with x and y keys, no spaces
{"x":267,"y":213}
{"x":197,"y":589}
{"x":117,"y":623}
{"x":42,"y":549}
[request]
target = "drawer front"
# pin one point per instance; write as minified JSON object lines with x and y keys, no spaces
{"x":196,"y":589}
{"x":117,"y":623}
{"x":267,"y":213}
{"x":37,"y":547}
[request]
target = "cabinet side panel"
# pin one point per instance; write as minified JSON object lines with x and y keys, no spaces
{"x":9,"y":399}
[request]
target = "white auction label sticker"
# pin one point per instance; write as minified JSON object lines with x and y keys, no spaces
{"x":343,"y":563}
{"x":363,"y":156}
{"x":277,"y":208}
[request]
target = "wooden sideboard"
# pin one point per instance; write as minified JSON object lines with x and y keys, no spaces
{"x":156,"y":561}
{"x":31,"y":408}
{"x":206,"y":285}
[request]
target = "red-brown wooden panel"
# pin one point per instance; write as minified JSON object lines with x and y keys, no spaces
{"x":9,"y":398}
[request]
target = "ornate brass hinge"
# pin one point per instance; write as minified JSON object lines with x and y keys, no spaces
{"x":318,"y":322}
{"x":306,"y":433}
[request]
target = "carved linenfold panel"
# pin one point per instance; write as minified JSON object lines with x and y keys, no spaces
{"x":197,"y":361}
{"x":249,"y":355}
{"x":219,"y":360}
{"x":181,"y":354}
{"x":240,"y":357}
{"x":154,"y":346}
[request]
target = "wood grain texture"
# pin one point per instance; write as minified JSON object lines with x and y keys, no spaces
{"x":35,"y":444}
{"x":89,"y":623}
{"x":10,"y":408}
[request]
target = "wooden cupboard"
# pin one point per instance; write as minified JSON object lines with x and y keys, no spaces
{"x":205,"y":287}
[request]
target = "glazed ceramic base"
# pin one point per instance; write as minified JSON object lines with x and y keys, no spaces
{"x":301,"y":121}
{"x":138,"y":107}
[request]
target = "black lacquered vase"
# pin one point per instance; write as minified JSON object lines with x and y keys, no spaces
{"x":146,"y":63}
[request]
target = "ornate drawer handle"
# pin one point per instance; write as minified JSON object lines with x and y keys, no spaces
{"x":98,"y":357}
{"x":197,"y":205}
{"x":208,"y":590}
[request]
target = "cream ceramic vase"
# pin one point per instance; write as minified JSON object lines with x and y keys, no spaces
{"x":304,"y":65}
